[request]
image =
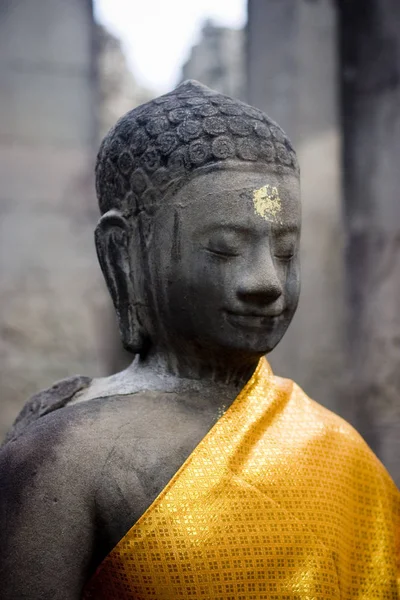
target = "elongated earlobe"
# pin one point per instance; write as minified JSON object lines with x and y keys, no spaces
{"x":114,"y":249}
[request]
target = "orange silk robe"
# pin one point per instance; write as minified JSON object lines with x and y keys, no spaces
{"x":281,"y":500}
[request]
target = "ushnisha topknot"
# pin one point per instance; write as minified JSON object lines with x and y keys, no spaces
{"x":160,"y":143}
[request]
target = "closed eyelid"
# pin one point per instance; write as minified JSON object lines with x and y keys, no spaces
{"x":222,"y":252}
{"x":221,"y":244}
{"x":291,"y":230}
{"x":286,"y":239}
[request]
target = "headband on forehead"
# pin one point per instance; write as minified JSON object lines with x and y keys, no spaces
{"x":164,"y":141}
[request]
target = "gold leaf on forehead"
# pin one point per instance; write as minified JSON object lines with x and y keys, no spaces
{"x":267,"y":203}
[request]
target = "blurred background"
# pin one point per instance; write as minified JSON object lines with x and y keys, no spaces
{"x":327,"y":70}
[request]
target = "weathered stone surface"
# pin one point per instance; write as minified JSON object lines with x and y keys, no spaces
{"x":51,"y":295}
{"x":45,"y":401}
{"x":291,"y":67}
{"x":370,"y":50}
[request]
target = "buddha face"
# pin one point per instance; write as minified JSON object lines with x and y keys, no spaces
{"x":224,"y":262}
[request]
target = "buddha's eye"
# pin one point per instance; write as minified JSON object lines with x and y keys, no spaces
{"x":285,"y":257}
{"x":226,"y":245}
{"x":222,"y":253}
{"x":284,"y":247}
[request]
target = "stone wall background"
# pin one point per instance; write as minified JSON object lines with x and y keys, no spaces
{"x":370,"y":109}
{"x":218,"y":60}
{"x":118,"y":88}
{"x":63,"y":83}
{"x":51,"y":297}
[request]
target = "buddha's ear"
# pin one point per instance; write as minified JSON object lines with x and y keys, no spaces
{"x":114,"y":250}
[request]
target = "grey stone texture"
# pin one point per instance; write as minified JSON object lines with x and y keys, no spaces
{"x":370,"y":50}
{"x":46,"y":401}
{"x":292,"y":67}
{"x":51,"y":295}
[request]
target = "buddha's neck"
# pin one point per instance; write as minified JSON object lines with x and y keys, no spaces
{"x":219,"y":379}
{"x":222,"y":367}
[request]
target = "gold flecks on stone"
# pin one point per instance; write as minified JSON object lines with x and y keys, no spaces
{"x":221,"y":410}
{"x":267,"y":203}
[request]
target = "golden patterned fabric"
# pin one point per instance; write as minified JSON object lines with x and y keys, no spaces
{"x":281,"y":500}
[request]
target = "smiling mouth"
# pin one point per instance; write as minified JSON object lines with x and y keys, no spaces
{"x":252,"y":320}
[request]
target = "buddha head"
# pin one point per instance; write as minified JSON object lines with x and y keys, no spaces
{"x":199,"y":235}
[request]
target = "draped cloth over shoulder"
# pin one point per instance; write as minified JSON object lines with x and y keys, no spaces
{"x":281,"y":500}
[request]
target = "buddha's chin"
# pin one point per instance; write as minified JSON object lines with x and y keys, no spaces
{"x":261,"y":347}
{"x":252,"y":343}
{"x":250,"y":338}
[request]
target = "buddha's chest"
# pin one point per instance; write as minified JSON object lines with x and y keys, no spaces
{"x":210,"y":533}
{"x":142,"y":459}
{"x":254,"y":514}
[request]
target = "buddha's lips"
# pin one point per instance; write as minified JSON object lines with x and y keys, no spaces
{"x":254,"y":320}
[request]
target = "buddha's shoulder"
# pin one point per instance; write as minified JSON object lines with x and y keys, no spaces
{"x":314,"y":417}
{"x":63,"y":449}
{"x":330,"y":436}
{"x":73,"y":440}
{"x":46,"y":401}
{"x":56,"y":415}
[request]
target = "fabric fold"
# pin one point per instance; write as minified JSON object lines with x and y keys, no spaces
{"x":281,"y":499}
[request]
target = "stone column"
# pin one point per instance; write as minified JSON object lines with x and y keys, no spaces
{"x":51,"y":293}
{"x":370,"y":78}
{"x":292,"y":77}
{"x":272,"y":59}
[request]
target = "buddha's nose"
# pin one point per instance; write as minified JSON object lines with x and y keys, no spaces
{"x":259,"y":284}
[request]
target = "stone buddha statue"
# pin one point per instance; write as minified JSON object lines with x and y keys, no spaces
{"x":196,"y":472}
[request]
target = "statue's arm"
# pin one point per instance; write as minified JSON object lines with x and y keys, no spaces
{"x":45,"y":520}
